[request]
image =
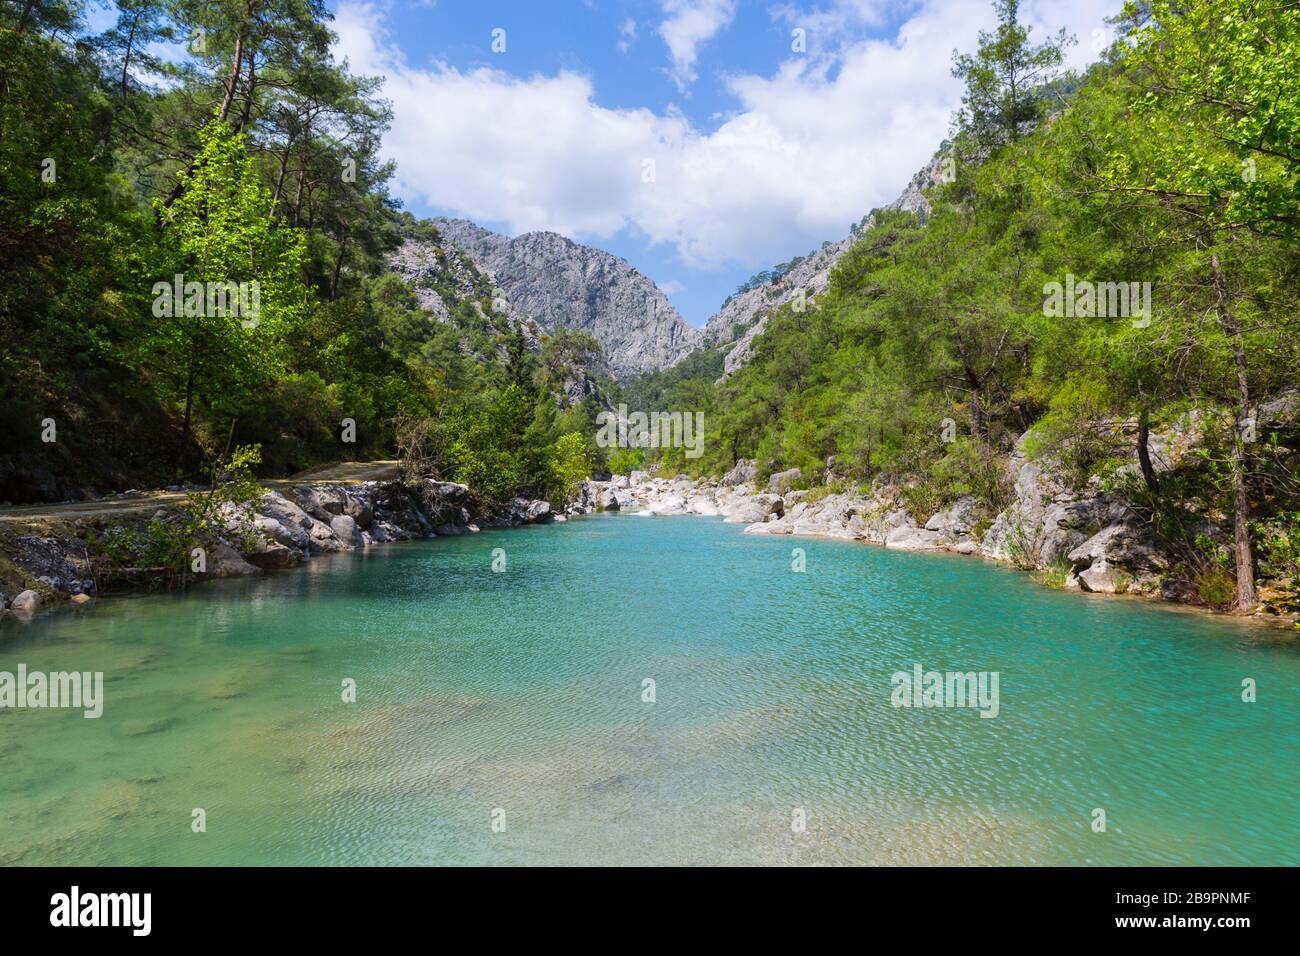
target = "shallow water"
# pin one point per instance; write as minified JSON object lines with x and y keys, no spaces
{"x":481,"y":692}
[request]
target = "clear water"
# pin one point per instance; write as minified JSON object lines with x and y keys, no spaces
{"x":522,"y":692}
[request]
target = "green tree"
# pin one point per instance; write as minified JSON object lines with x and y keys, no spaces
{"x":1219,"y":112}
{"x":1005,"y":80}
{"x":225,"y":245}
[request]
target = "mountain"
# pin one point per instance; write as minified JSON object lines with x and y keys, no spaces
{"x":744,"y":316}
{"x":451,"y":287}
{"x":559,"y":283}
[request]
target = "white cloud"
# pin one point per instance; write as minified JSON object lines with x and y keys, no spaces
{"x":627,"y":33}
{"x":810,"y":149}
{"x":689,"y":24}
{"x":671,"y":287}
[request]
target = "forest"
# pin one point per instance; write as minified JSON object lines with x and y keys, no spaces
{"x":1170,"y":170}
{"x":193,"y":149}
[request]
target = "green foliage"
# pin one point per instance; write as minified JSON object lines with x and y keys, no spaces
{"x":161,"y":551}
{"x":1279,"y":547}
{"x":932,"y":350}
{"x":570,"y":461}
{"x":624,"y":461}
{"x":1006,"y":80}
{"x":255,"y":162}
{"x":220,"y":232}
{"x":970,"y":468}
{"x":1215,"y":586}
{"x":1055,"y":575}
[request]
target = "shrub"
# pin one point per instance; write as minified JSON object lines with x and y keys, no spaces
{"x":1215,"y":586}
{"x":1054,"y":575}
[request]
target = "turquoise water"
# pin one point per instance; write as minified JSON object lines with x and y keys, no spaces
{"x":480,"y":692}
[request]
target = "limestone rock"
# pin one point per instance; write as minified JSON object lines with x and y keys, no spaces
{"x":742,"y":472}
{"x":345,"y":529}
{"x":780,"y":482}
{"x":28,"y":600}
{"x":225,"y":562}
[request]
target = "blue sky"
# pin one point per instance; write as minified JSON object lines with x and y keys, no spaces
{"x":701,"y":140}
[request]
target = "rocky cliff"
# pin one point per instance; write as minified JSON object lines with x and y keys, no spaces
{"x":451,"y":287}
{"x":744,"y":316}
{"x":559,"y":283}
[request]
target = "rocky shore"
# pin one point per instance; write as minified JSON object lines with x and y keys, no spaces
{"x":1090,"y":541}
{"x":48,"y":563}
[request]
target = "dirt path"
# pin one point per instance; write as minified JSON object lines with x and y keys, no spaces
{"x":342,"y":473}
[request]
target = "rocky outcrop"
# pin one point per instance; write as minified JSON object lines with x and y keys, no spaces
{"x":743,"y":317}
{"x":781,"y":482}
{"x":559,"y":283}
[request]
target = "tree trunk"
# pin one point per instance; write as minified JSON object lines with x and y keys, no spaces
{"x":246,"y":115}
{"x":236,"y":61}
{"x":1244,"y":554}
{"x":978,"y":425}
{"x":1144,"y":453}
{"x":189,"y":406}
{"x":338,"y":266}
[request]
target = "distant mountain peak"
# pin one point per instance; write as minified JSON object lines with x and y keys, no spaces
{"x":560,"y":283}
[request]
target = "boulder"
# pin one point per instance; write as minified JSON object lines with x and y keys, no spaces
{"x":80,"y":598}
{"x":752,"y":509}
{"x":878,"y":525}
{"x":225,"y":562}
{"x":28,"y":600}
{"x":525,"y":511}
{"x":272,"y":554}
{"x":443,"y":501}
{"x":345,"y":529}
{"x":358,"y":508}
{"x":588,"y":498}
{"x":780,"y":482}
{"x":741,"y":472}
{"x":452,"y":492}
{"x":956,"y":520}
{"x":1132,"y":547}
{"x":769,"y":527}
{"x":384,"y":531}
{"x":669,"y":505}
{"x":321,"y":503}
{"x":1102,"y":578}
{"x":289,"y":515}
{"x":290,"y":536}
{"x":912,"y":538}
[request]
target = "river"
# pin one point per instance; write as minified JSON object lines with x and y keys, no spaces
{"x":503,"y":717}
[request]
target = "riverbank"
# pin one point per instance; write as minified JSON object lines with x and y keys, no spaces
{"x":53,"y":555}
{"x":1091,"y":542}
